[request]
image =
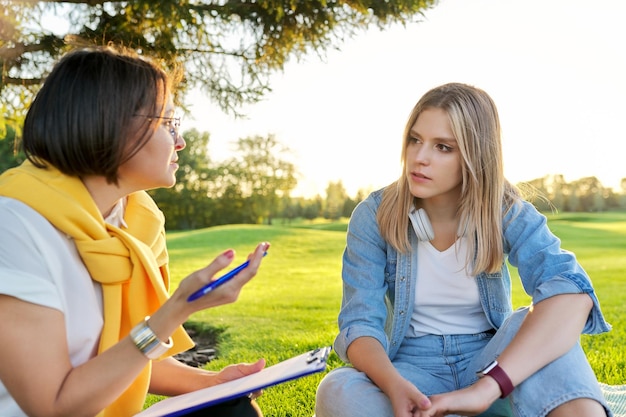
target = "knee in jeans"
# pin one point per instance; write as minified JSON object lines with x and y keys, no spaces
{"x":327,"y":392}
{"x":346,"y":392}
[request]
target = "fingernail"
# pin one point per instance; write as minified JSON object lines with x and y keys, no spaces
{"x":230,"y":254}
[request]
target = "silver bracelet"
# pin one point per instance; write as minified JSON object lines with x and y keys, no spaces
{"x":148,"y":342}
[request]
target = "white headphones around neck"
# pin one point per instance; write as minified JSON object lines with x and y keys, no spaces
{"x":421,"y":224}
{"x":423,"y":228}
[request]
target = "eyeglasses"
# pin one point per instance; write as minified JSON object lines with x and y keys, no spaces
{"x":173,"y":123}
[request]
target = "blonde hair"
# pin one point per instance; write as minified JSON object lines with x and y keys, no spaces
{"x":485,"y":194}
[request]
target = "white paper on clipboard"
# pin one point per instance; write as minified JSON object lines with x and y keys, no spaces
{"x":306,"y":364}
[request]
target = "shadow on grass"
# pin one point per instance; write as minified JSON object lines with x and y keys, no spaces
{"x":206,"y":338}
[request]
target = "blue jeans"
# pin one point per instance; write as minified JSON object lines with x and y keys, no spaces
{"x":438,"y":364}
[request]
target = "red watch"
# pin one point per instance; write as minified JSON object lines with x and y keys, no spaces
{"x":497,"y":373}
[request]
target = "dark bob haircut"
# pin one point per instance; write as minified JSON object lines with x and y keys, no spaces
{"x":81,"y":121}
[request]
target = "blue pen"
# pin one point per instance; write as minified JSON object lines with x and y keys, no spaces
{"x":216,"y":283}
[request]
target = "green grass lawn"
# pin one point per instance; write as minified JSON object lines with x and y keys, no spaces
{"x":292,"y":304}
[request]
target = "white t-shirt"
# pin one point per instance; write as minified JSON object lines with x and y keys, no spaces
{"x":446,"y":297}
{"x":41,"y":265}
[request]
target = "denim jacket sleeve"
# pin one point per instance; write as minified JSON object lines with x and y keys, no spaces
{"x":363,"y":309}
{"x":546,"y":269}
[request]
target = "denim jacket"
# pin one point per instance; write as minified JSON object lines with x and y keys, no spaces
{"x":379,"y":283}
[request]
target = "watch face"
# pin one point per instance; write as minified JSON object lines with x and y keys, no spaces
{"x":488,"y":368}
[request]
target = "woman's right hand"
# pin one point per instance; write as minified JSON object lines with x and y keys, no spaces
{"x":367,"y":355}
{"x":176,"y":310}
{"x":226,"y":293}
{"x":407,"y":400}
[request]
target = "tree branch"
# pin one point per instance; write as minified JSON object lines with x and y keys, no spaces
{"x":87,"y":2}
{"x":10,"y":53}
{"x":22,"y":81}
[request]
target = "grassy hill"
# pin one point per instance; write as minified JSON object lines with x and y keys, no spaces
{"x":292,"y":304}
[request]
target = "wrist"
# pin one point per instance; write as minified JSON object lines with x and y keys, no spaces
{"x":488,"y":389}
{"x":498,"y":375}
{"x":168,"y":318}
{"x":147,"y":341}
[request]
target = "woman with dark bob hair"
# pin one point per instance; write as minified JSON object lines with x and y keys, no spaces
{"x":88,"y":324}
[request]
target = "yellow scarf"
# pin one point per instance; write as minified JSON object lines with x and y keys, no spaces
{"x":130,"y":264}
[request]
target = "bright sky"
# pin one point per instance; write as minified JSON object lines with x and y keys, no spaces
{"x":556,"y":70}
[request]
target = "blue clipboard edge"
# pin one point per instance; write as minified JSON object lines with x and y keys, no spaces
{"x":315,"y":359}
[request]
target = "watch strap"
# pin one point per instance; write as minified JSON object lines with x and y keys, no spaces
{"x":497,"y":373}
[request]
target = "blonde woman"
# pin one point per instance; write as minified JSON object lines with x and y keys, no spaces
{"x":426,"y":323}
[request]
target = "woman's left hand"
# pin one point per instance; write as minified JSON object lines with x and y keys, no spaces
{"x":469,"y":401}
{"x":240,"y":370}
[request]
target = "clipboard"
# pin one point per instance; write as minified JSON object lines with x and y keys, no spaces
{"x":302,"y":365}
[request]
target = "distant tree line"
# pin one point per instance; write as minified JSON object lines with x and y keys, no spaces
{"x":254,"y":187}
{"x":586,"y":194}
